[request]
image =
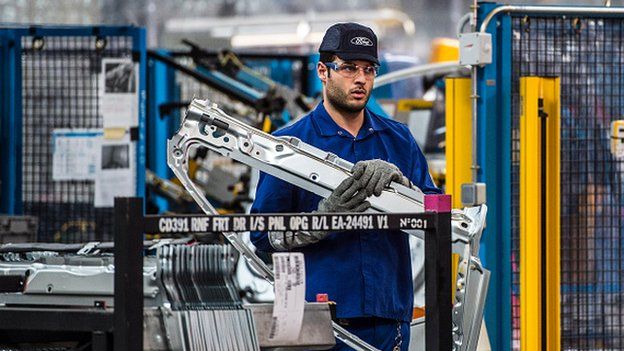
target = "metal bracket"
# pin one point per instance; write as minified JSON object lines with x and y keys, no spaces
{"x":88,"y":247}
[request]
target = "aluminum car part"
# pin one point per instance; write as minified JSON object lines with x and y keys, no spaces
{"x":73,"y":281}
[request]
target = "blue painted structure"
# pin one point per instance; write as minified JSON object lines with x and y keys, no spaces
{"x":494,"y":150}
{"x":161,"y":89}
{"x":587,"y":57}
{"x":11,"y":123}
{"x":11,"y":101}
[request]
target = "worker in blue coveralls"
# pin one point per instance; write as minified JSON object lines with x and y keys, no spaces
{"x":368,"y":273}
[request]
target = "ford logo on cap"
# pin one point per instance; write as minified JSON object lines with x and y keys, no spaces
{"x":362,"y":41}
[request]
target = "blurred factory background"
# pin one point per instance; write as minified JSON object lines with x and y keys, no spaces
{"x":93,"y":89}
{"x":228,"y":23}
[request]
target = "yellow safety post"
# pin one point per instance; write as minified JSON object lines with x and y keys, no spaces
{"x":458,"y":137}
{"x":458,"y":146}
{"x":539,"y":214}
{"x":530,"y":216}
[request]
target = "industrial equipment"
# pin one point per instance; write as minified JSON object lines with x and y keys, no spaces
{"x":278,"y":96}
{"x":177,"y":76}
{"x":167,"y":188}
{"x":63,"y":110}
{"x":226,"y":74}
{"x":190,"y":299}
{"x":579,"y":300}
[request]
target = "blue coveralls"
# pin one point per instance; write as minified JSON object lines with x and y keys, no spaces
{"x":367,"y":273}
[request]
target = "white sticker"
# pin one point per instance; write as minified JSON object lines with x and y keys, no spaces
{"x":289,"y":270}
{"x":75,"y":153}
{"x":116,"y":174}
{"x":118,"y":93}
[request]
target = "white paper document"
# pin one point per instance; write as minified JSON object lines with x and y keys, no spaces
{"x":116,"y":176}
{"x":76,"y":153}
{"x":118,"y":93}
{"x":289,"y":270}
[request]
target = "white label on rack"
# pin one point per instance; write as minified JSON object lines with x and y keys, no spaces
{"x":76,"y":153}
{"x":118,"y":100}
{"x":289,"y":270}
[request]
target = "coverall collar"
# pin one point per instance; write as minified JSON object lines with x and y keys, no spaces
{"x":326,"y":126}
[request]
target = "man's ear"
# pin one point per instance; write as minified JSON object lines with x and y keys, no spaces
{"x":322,"y":72}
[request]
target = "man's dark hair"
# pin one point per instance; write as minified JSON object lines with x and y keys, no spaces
{"x":327,"y":57}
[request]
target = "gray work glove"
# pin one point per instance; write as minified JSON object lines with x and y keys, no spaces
{"x":375,"y":175}
{"x":347,"y":197}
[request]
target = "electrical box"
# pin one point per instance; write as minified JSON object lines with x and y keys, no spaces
{"x":473,"y":194}
{"x":475,"y":49}
{"x":617,"y":138}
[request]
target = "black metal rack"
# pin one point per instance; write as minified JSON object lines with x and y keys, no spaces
{"x":131,"y":224}
{"x":44,"y":324}
{"x":123,"y":328}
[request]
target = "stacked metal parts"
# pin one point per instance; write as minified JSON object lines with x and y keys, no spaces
{"x":61,"y":297}
{"x":191,"y":301}
{"x":65,"y":275}
{"x":206,"y":309}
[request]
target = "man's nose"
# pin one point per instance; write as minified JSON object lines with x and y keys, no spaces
{"x":360,"y":77}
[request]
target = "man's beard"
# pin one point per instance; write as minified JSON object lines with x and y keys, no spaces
{"x":338,"y":99}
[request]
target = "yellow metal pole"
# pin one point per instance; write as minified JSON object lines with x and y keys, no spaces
{"x":458,"y":137}
{"x":539,"y":285}
{"x":458,"y":147}
{"x":530,"y":216}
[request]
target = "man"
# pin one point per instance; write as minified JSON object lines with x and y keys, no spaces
{"x":368,"y":273}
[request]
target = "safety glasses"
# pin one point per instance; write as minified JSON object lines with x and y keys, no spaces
{"x":350,"y":70}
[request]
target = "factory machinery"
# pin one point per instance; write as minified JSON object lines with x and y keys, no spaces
{"x":190,"y":298}
{"x":241,"y":91}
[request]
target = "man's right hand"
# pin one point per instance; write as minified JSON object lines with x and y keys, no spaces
{"x":347,"y":197}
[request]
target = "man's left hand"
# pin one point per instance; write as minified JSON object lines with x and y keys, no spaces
{"x":375,"y":175}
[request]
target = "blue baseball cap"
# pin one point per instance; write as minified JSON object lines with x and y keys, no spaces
{"x":350,"y":41}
